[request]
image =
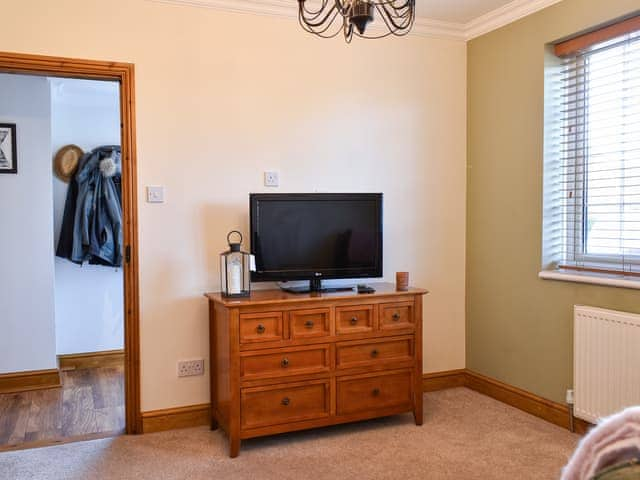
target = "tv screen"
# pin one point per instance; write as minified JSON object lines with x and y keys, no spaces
{"x":307,"y":236}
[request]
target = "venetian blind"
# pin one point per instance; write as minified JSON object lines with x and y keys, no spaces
{"x":595,"y":182}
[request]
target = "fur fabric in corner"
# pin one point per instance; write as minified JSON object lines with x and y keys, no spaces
{"x":614,"y":440}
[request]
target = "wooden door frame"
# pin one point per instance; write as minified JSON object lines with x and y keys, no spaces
{"x":124,"y":74}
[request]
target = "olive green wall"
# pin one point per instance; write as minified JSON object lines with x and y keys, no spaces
{"x":519,"y":328}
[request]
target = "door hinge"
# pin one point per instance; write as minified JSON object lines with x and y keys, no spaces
{"x":127,"y":254}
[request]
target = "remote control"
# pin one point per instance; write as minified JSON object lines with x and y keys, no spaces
{"x":365,"y":289}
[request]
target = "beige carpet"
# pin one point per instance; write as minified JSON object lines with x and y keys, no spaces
{"x":465,"y":436}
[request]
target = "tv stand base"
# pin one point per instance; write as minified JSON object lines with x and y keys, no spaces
{"x":315,"y":285}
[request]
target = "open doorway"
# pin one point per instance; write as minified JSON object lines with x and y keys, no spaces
{"x":70,"y":354}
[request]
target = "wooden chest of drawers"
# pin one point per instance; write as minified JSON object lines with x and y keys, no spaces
{"x":282,"y":362}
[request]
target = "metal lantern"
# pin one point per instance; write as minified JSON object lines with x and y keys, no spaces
{"x":235,"y":266}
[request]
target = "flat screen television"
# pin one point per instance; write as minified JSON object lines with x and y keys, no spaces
{"x":316,"y":236}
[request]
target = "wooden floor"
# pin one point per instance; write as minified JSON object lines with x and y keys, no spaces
{"x":90,"y":403}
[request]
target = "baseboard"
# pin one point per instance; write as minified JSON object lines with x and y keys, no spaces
{"x":548,"y":410}
{"x":173,"y":418}
{"x":443,"y":380}
{"x":107,"y":358}
{"x":553,"y":412}
{"x":31,"y":380}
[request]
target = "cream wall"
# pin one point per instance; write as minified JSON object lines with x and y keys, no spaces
{"x":222,"y":97}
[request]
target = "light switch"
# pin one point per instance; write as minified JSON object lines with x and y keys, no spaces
{"x":271,"y":179}
{"x":155,"y":194}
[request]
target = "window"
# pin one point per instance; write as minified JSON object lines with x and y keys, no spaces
{"x":593,"y":167}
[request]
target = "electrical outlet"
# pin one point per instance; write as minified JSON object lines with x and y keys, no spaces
{"x":188,"y":368}
{"x":271,"y":179}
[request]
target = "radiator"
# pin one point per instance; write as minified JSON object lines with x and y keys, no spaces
{"x":606,"y":362}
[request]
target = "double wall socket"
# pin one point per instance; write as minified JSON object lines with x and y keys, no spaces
{"x":189,"y":368}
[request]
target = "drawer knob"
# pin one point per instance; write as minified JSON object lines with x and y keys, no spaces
{"x":260,"y":328}
{"x":285,"y":401}
{"x":354,"y":320}
{"x":309,"y":324}
{"x":284,"y":362}
{"x":376,"y":392}
{"x":374,"y":353}
{"x":395,"y":316}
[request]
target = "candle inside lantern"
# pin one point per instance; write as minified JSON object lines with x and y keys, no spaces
{"x":235,"y":277}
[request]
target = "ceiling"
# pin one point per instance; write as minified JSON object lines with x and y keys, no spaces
{"x":451,"y":19}
{"x":457,"y":11}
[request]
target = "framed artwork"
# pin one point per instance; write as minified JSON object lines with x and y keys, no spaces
{"x":8,"y":150}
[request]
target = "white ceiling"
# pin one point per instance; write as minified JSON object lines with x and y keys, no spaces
{"x":457,"y":11}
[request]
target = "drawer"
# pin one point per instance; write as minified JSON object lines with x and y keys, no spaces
{"x":374,"y":392}
{"x":396,"y":316}
{"x":354,"y":319}
{"x":371,"y":352}
{"x":260,"y":327}
{"x":295,"y":402}
{"x":285,"y":361}
{"x":310,"y":323}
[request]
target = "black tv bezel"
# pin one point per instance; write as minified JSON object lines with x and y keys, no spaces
{"x":320,"y":274}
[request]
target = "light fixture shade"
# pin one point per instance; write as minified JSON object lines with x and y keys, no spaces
{"x":328,"y":18}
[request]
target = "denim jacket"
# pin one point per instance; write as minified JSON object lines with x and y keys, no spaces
{"x":92,"y":222}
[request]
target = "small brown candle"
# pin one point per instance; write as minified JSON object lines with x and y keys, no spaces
{"x":402,"y":281}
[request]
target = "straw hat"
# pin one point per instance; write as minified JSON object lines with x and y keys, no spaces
{"x":66,"y":162}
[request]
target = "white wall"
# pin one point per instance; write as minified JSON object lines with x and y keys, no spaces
{"x":220,"y":98}
{"x":89,"y":305}
{"x":27,"y":332}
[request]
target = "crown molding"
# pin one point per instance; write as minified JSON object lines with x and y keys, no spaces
{"x":425,"y":27}
{"x":273,"y":8}
{"x":504,"y":15}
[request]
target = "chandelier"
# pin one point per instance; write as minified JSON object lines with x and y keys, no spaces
{"x":328,"y":18}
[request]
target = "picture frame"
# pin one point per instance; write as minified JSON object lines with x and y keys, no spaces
{"x":8,"y":148}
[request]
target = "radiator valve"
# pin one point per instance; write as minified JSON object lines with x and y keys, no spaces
{"x":570,"y":396}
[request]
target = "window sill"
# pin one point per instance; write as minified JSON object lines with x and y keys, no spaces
{"x":619,"y":281}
